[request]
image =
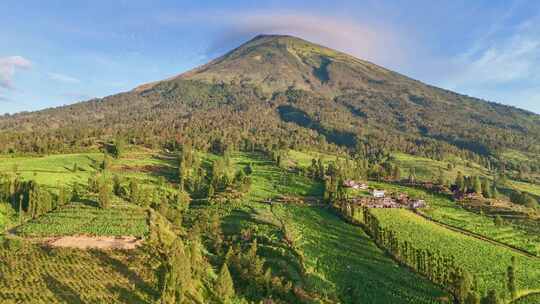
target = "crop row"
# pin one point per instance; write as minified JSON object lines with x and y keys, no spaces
{"x":488,"y":262}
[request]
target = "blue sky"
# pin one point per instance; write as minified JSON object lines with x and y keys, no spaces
{"x":58,"y":52}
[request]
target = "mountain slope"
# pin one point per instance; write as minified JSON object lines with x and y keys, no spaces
{"x":309,"y":95}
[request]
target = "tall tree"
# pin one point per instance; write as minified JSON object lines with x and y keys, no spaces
{"x":178,"y":279}
{"x":460,"y":182}
{"x":104,"y":195}
{"x":477,"y":185}
{"x":491,"y":298}
{"x":511,"y":278}
{"x":224,"y":286}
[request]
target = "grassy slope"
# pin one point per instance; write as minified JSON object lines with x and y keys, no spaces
{"x":53,"y":169}
{"x":343,"y":260}
{"x":427,"y":169}
{"x":487,"y":261}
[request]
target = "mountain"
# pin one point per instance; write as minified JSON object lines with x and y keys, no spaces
{"x":284,"y":91}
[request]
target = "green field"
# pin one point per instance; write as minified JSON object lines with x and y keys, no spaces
{"x":53,"y":169}
{"x":488,"y":262}
{"x":451,"y":213}
{"x":427,"y":169}
{"x":270,"y":181}
{"x":344,"y":262}
{"x":45,"y":276}
{"x":349,"y":265}
{"x":78,"y":218}
{"x":304,"y":158}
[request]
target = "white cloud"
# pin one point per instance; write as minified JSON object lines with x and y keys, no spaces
{"x":514,"y":59}
{"x":63,"y":78}
{"x":8,"y":66}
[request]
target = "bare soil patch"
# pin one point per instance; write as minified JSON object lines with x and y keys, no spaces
{"x":95,"y":242}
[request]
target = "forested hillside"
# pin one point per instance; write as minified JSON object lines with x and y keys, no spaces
{"x":284,"y":91}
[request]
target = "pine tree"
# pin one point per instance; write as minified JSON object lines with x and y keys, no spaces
{"x":477,"y":185}
{"x":441,"y":180}
{"x":463,"y":286}
{"x":104,"y":196}
{"x":498,"y":221}
{"x":460,"y":182}
{"x":511,"y":278}
{"x":117,"y":185}
{"x":495,"y":192}
{"x":211,"y":191}
{"x":75,"y":192}
{"x":491,"y":298}
{"x":487,"y":189}
{"x":118,"y":147}
{"x":396,"y":174}
{"x":224,"y":286}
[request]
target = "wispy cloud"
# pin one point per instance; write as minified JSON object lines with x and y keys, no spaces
{"x":373,"y":42}
{"x":8,"y":66}
{"x":63,"y":78}
{"x":509,"y":61}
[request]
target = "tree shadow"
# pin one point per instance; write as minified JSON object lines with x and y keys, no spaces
{"x":89,"y":203}
{"x":126,"y":296}
{"x":62,"y":292}
{"x":133,"y":278}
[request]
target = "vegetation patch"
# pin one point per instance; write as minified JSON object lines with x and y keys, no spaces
{"x":487,"y":262}
{"x":82,"y":219}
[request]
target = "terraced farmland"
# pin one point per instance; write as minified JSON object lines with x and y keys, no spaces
{"x":348,"y":263}
{"x":343,"y":261}
{"x":45,"y":276}
{"x":449,"y":212}
{"x":488,"y":262}
{"x":78,"y":218}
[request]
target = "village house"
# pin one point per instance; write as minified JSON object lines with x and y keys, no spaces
{"x":378,"y":193}
{"x":415,"y":204}
{"x":354,"y":185}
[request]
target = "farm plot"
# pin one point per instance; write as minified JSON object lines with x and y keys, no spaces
{"x":347,"y":264}
{"x":448,"y":212}
{"x":269,"y":181}
{"x":80,"y":219}
{"x":34,"y":275}
{"x":342,"y":260}
{"x":488,"y":262}
{"x":53,"y":169}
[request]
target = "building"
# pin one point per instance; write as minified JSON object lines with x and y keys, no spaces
{"x":417,"y":204}
{"x":354,"y":185}
{"x":350,"y":184}
{"x":378,"y":193}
